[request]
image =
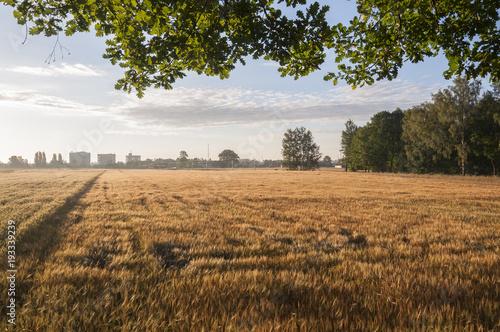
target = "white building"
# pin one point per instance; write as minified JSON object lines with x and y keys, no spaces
{"x":106,"y":159}
{"x":130,"y":158}
{"x":79,"y":159}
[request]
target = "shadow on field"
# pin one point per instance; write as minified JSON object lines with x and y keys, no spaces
{"x":170,"y":255}
{"x":40,"y":240}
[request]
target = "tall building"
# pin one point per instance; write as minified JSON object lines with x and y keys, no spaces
{"x":106,"y":159}
{"x":79,"y":159}
{"x":130,"y":158}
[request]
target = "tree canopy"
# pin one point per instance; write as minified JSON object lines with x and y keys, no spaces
{"x":458,"y":132}
{"x":228,"y":158}
{"x":299,"y":150}
{"x":156,"y":42}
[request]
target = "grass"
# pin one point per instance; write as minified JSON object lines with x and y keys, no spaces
{"x":264,"y":250}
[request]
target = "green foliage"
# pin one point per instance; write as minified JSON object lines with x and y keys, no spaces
{"x":156,"y":42}
{"x":454,"y":106}
{"x":182,"y":161}
{"x":360,"y":149}
{"x":485,"y":131}
{"x":346,"y":141}
{"x":17,"y":162}
{"x":40,"y":159}
{"x":327,"y":162}
{"x":299,"y":150}
{"x":228,"y":158}
{"x":388,"y":33}
{"x":442,"y":129}
{"x":458,"y":126}
{"x":458,"y":132}
{"x":376,"y":146}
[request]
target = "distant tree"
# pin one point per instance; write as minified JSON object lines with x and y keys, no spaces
{"x":377,"y":146}
{"x":424,"y":137}
{"x":346,"y":142}
{"x":17,"y":162}
{"x":385,"y":141}
{"x":454,"y":106}
{"x":456,"y":123}
{"x":327,"y":161}
{"x":299,"y":150}
{"x":56,"y":161}
{"x":183,"y":159}
{"x":360,"y":149}
{"x":119,"y":164}
{"x":40,"y":159}
{"x":53,"y":161}
{"x":197,"y":163}
{"x":228,"y":158}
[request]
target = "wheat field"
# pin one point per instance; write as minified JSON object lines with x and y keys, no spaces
{"x":256,"y":250}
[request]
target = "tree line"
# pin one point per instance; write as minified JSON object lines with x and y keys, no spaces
{"x":458,"y":132}
{"x":40,"y":161}
{"x":226,"y":159}
{"x":298,"y":157}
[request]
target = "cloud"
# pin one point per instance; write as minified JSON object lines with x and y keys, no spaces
{"x":271,"y":64}
{"x":63,"y":69}
{"x":185,"y":107}
{"x":31,"y":98}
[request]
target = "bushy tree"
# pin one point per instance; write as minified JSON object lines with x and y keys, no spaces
{"x":442,"y":128}
{"x":377,"y":146}
{"x":56,"y":161}
{"x":454,"y":106}
{"x":228,"y":158}
{"x":17,"y":162}
{"x":183,"y":159}
{"x":327,"y":162}
{"x":359,"y":159}
{"x":384,"y":141}
{"x":157,"y":41}
{"x":387,"y":34}
{"x":40,"y":159}
{"x":455,"y":133}
{"x":299,"y":150}
{"x":485,"y":130}
{"x":53,"y":161}
{"x":346,"y":142}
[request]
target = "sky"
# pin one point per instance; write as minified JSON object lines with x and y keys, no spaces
{"x":71,"y":104}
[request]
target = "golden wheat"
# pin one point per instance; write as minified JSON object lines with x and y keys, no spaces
{"x":270,"y":250}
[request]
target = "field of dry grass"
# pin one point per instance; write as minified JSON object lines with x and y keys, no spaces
{"x":255,"y":250}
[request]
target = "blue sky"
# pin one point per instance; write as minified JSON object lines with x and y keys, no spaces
{"x":71,"y":104}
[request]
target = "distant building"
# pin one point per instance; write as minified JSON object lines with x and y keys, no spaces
{"x":106,"y":159}
{"x":130,"y":158}
{"x":79,"y":159}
